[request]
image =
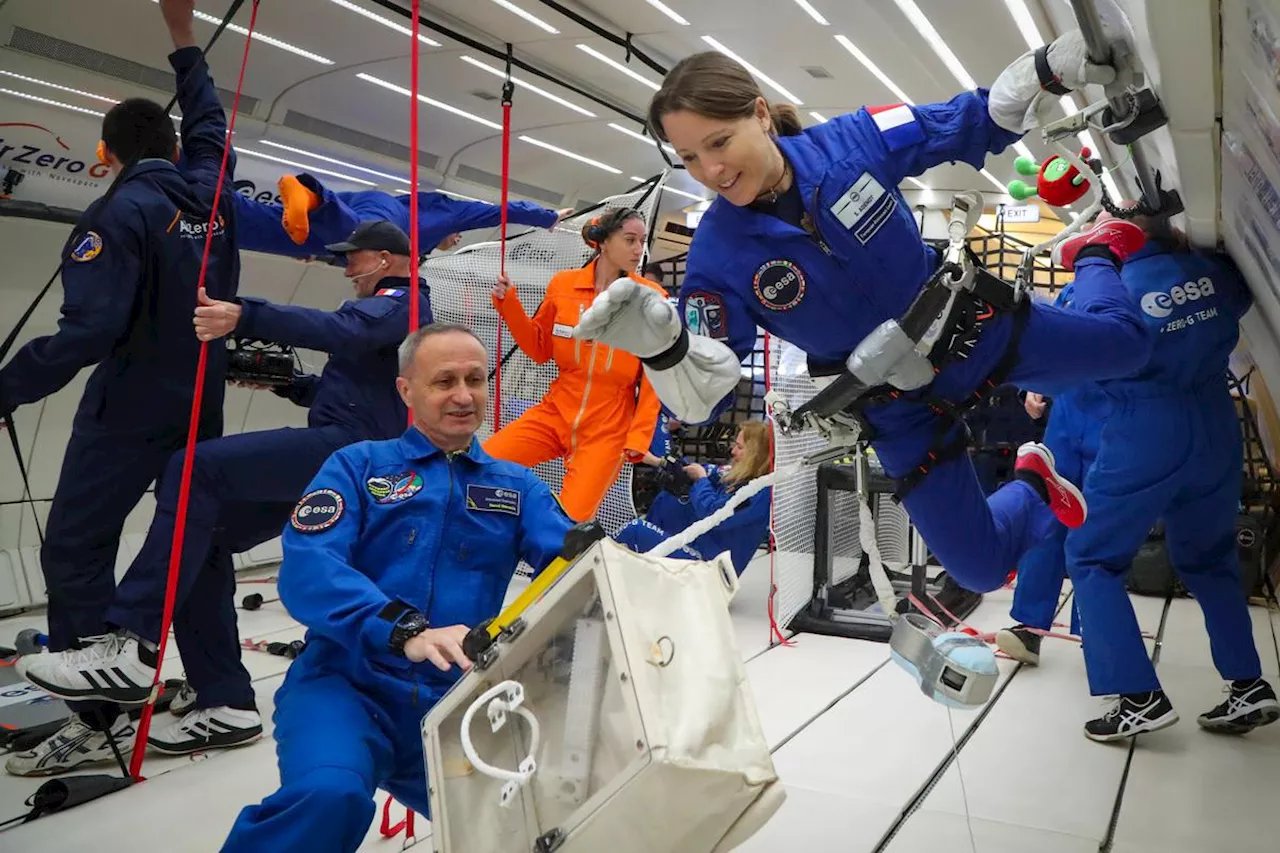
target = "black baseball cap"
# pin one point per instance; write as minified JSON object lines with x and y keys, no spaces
{"x":380,"y":235}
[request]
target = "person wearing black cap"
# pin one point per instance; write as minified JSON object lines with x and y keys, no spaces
{"x":243,"y":489}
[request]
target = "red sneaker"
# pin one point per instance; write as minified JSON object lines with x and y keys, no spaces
{"x":1064,"y":498}
{"x":1122,"y":237}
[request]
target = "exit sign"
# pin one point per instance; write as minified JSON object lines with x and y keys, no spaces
{"x":1021,"y":213}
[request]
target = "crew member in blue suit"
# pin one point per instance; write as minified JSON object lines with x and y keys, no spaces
{"x":709,"y":488}
{"x":811,"y":240}
{"x":388,"y":581}
{"x":1075,"y":423}
{"x":129,"y":291}
{"x":242,"y":490}
{"x":1171,"y":448}
{"x":312,"y":215}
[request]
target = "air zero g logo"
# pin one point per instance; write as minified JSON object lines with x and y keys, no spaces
{"x":316,"y":511}
{"x":779,"y":285}
{"x":1160,"y":304}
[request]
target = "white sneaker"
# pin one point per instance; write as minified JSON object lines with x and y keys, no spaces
{"x":113,"y":668}
{"x":72,"y":746}
{"x":183,"y":701}
{"x":207,"y":728}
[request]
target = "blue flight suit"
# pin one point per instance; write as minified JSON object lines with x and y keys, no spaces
{"x":741,"y":534}
{"x":385,"y":527}
{"x":244,"y":486}
{"x":1072,"y":435}
{"x":1171,"y":448}
{"x":841,"y":253}
{"x":339,"y":213}
{"x":129,"y":292}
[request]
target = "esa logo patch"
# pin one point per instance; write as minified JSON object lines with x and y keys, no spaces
{"x":316,"y":511}
{"x":489,"y":499}
{"x":704,"y":315}
{"x":394,"y":488}
{"x":779,"y":285}
{"x":88,"y":248}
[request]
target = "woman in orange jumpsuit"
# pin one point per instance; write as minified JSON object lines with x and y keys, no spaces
{"x":600,"y":411}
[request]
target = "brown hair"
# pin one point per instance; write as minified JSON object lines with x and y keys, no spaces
{"x":713,"y":85}
{"x":1160,"y":230}
{"x":757,"y":454}
{"x":602,"y":227}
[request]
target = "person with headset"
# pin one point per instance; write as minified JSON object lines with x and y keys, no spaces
{"x":600,"y":410}
{"x":129,"y":288}
{"x":243,"y":488}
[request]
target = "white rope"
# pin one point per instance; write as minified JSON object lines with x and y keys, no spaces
{"x":695,"y":530}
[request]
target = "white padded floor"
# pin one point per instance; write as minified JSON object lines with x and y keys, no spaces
{"x":854,"y":741}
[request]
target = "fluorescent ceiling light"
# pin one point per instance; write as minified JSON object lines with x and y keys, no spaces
{"x":1021,"y":148}
{"x":818,"y":117}
{"x":274,"y":42}
{"x":430,"y":101}
{"x":1026,"y":24}
{"x":648,"y":140}
{"x":40,"y":100}
{"x":386,"y":22}
{"x":756,"y":71}
{"x":921,"y":23}
{"x":304,"y":166}
{"x":874,"y":69}
{"x":813,"y":13}
{"x":685,"y":194}
{"x":326,"y":159}
{"x":60,"y":88}
{"x":590,"y":51}
{"x":921,"y":184}
{"x":498,"y":72}
{"x":537,"y":22}
{"x":666,"y":10}
{"x":992,"y":178}
{"x":562,"y":152}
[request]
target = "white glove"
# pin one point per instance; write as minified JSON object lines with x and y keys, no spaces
{"x":631,"y":317}
{"x":641,"y":321}
{"x":1010,"y":101}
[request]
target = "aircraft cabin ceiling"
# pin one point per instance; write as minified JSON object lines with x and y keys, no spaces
{"x":330,"y":77}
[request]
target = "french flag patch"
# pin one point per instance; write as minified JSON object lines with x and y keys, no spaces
{"x":390,"y":291}
{"x":897,"y":125}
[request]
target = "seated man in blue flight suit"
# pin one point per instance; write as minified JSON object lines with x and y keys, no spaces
{"x":388,"y":583}
{"x":312,"y":215}
{"x":243,"y":488}
{"x":1171,"y":448}
{"x":129,"y":289}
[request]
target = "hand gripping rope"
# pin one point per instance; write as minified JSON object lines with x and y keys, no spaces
{"x":184,"y":489}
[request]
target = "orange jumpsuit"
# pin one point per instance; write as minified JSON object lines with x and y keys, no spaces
{"x":598,"y":407}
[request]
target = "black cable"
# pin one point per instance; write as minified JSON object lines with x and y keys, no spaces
{"x":26,"y":482}
{"x":608,"y":36}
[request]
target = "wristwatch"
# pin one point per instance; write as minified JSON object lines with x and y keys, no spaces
{"x":410,"y":625}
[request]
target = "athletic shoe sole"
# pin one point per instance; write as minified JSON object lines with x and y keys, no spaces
{"x":136,"y":696}
{"x":1008,"y":642}
{"x":1045,"y":455}
{"x":204,"y":746}
{"x":1244,"y":724}
{"x":1153,"y":726}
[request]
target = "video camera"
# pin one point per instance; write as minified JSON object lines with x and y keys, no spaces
{"x":259,"y":362}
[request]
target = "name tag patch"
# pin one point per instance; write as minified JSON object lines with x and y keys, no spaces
{"x":490,"y":499}
{"x":394,"y":487}
{"x":316,"y":511}
{"x":865,"y":207}
{"x":562,"y":330}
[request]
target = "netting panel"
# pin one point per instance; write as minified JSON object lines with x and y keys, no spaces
{"x":460,"y":286}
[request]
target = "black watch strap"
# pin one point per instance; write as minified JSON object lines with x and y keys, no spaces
{"x":410,"y":625}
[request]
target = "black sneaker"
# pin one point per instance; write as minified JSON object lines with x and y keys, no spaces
{"x":1131,"y":715}
{"x":1020,"y":643}
{"x":1249,"y":704}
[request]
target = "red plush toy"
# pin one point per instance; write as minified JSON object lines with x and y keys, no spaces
{"x":1058,"y":182}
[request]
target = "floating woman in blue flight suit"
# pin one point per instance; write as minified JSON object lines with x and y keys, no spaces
{"x":741,"y":534}
{"x":313,"y":216}
{"x":811,"y":240}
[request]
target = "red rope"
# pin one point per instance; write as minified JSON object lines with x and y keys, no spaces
{"x":413,"y":178}
{"x":502,"y":258}
{"x":188,"y":457}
